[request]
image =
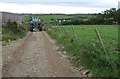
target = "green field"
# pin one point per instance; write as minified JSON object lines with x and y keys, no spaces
{"x":87,"y":51}
{"x":50,"y":17}
{"x":109,"y":33}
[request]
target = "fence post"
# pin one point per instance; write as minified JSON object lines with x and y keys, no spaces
{"x":99,"y":38}
{"x":65,"y":31}
{"x":58,"y":28}
{"x":75,"y":36}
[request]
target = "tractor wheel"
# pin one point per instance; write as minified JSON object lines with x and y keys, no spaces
{"x":31,"y":29}
{"x":40,"y":28}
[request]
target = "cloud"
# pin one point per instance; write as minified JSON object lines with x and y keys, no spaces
{"x":59,"y":1}
{"x":82,"y":3}
{"x":57,"y":6}
{"x":38,"y":8}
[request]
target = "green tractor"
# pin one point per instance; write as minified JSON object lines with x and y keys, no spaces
{"x":35,"y":23}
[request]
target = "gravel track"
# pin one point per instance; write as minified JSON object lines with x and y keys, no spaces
{"x":35,"y":56}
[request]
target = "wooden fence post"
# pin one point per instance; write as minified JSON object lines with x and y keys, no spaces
{"x":99,"y":38}
{"x":75,"y":36}
{"x":65,"y":31}
{"x":58,"y":28}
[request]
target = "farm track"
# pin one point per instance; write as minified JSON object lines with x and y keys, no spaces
{"x":35,"y":56}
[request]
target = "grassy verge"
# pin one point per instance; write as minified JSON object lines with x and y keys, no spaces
{"x":87,"y":50}
{"x":14,"y":31}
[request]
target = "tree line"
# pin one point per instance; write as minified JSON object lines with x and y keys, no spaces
{"x":108,"y":17}
{"x":111,"y":16}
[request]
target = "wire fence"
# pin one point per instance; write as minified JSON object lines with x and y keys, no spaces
{"x":100,"y":54}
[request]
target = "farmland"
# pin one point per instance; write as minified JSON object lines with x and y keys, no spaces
{"x":87,"y":50}
{"x":51,"y":17}
{"x":65,"y":41}
{"x":83,"y":46}
{"x":109,"y":33}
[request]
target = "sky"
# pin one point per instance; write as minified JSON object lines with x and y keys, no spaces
{"x":57,"y":6}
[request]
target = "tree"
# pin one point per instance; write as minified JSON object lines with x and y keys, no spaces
{"x":110,"y":16}
{"x":118,"y":16}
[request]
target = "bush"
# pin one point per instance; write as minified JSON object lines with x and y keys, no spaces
{"x":13,"y":31}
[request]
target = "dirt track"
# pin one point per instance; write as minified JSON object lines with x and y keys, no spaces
{"x":35,"y":56}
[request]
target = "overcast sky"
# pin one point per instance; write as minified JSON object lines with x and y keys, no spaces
{"x":57,"y":6}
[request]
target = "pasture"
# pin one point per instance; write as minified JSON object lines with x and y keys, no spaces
{"x":47,"y":18}
{"x":82,"y":45}
{"x":109,"y":33}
